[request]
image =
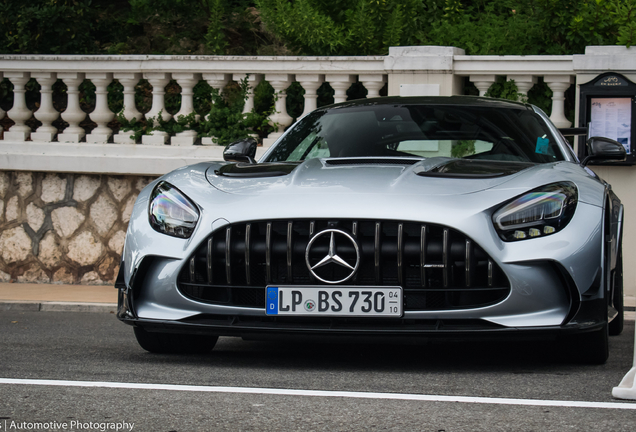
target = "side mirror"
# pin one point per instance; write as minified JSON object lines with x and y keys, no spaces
{"x":604,"y":149}
{"x":241,"y":151}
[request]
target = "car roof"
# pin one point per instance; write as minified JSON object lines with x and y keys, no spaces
{"x":433,"y":100}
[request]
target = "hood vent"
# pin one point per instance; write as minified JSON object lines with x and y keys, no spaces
{"x":371,"y":161}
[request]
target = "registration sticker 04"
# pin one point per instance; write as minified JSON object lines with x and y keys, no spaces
{"x":334,"y":301}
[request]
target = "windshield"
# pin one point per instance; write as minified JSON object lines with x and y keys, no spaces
{"x":423,"y":131}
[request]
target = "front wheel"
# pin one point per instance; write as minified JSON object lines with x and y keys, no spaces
{"x":590,"y":347}
{"x":174,"y":343}
{"x":616,"y":325}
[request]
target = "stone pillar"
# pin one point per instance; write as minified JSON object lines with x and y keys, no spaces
{"x":73,"y":114}
{"x":252,"y":81}
{"x":187,"y":81}
{"x":130,"y":112}
{"x":310,"y":83}
{"x":340,"y":84}
{"x":524,"y":83}
{"x":47,"y":114}
{"x":559,"y":84}
{"x":483,"y":82}
{"x":19,"y":113}
{"x":431,"y":65}
{"x":373,"y":84}
{"x":280,"y":119}
{"x":158,"y":81}
{"x":217,"y":81}
{"x":102,"y":114}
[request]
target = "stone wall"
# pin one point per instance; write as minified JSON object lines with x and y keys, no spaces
{"x":65,"y":228}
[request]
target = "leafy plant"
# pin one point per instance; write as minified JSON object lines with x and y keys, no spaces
{"x":503,"y":89}
{"x":463,"y":148}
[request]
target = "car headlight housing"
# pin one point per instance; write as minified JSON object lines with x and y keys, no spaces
{"x":171,"y":212}
{"x":538,"y":213}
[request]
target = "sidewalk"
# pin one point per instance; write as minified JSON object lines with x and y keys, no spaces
{"x":101,"y":298}
{"x":62,"y":298}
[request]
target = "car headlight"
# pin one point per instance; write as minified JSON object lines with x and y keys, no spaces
{"x":538,"y":213}
{"x":171,"y":212}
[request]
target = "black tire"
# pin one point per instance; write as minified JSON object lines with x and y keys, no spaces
{"x":616,"y":325}
{"x":174,"y":343}
{"x":589,"y":348}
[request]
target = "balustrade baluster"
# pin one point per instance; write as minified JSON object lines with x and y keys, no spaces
{"x":483,"y":82}
{"x":340,"y":84}
{"x":187,"y":81}
{"x":47,"y":114}
{"x":19,"y":113}
{"x":524,"y":83}
{"x":102,"y":114}
{"x":310,"y":83}
{"x":158,"y":81}
{"x":373,"y":84}
{"x":73,"y":114}
{"x":280,"y":119}
{"x":559,"y":84}
{"x":130,"y":111}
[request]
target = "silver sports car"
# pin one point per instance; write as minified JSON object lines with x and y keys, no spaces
{"x":390,"y":217}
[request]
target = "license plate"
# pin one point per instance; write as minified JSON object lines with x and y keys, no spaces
{"x":334,"y":301}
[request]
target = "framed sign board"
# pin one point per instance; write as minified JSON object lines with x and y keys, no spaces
{"x":608,"y":109}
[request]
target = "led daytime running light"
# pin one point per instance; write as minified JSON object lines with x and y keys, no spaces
{"x":538,"y":213}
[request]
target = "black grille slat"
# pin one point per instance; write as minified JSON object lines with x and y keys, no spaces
{"x":438,"y":267}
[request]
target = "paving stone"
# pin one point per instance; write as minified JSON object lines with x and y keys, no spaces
{"x":4,"y":277}
{"x":116,"y":243}
{"x":35,"y":216}
{"x":119,"y":186}
{"x":24,"y":181}
{"x":4,"y":183}
{"x":85,"y":187}
{"x":85,"y":249}
{"x":142,"y":182}
{"x":104,"y":214}
{"x":63,"y":275}
{"x":91,"y":278}
{"x":125,"y":216}
{"x":15,"y":245}
{"x":66,"y":220}
{"x":12,"y":209}
{"x":53,"y":188}
{"x":49,"y":252}
{"x":34,"y":274}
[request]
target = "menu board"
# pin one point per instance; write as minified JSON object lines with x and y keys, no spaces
{"x":612,"y":118}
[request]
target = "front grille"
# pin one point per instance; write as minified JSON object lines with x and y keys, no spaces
{"x":438,"y":267}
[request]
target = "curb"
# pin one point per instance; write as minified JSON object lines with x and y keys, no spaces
{"x":25,"y":306}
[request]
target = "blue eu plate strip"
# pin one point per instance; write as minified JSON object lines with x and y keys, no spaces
{"x":272,"y":300}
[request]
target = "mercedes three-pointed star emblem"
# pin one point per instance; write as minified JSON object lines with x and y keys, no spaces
{"x":332,"y":257}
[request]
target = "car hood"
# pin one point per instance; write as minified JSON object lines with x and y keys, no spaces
{"x":428,"y":177}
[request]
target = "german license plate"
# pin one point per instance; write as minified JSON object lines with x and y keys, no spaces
{"x":334,"y":301}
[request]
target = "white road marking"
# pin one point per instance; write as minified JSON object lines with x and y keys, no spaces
{"x":323,"y":393}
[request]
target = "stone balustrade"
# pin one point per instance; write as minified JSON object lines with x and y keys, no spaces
{"x":404,"y":71}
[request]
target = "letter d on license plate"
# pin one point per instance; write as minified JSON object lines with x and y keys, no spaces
{"x":334,"y":301}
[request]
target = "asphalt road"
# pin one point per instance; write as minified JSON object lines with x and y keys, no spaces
{"x":96,"y":347}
